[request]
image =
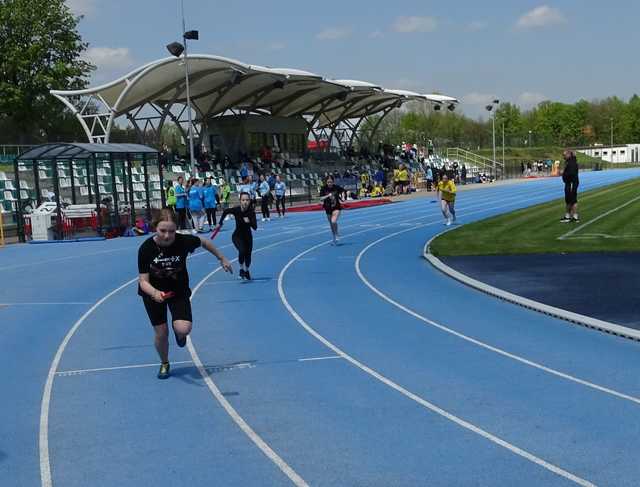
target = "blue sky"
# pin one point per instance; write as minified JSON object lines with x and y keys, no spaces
{"x":518,"y":51}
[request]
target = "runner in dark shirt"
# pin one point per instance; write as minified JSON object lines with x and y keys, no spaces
{"x":330,"y":198}
{"x":164,"y":282}
{"x":571,"y":182}
{"x":242,"y":237}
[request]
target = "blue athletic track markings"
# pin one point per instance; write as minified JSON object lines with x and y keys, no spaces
{"x":355,"y":365}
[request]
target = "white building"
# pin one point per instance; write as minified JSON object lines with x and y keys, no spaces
{"x":615,"y":154}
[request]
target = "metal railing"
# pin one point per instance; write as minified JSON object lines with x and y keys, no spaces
{"x":495,"y":168}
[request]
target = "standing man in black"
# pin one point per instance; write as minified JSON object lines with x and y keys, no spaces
{"x":571,"y":182}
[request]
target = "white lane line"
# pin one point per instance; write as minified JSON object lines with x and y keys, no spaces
{"x":312,"y":359}
{"x":68,"y":373}
{"x":242,"y":424}
{"x":71,"y":303}
{"x":432,"y":407}
{"x":598,"y":218}
{"x":469,"y":339}
{"x":45,"y":463}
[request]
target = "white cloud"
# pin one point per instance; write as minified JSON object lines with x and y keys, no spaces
{"x":110,"y":62}
{"x":376,"y":35}
{"x":542,"y":16}
{"x":81,"y":7}
{"x":529,"y":100}
{"x":478,"y":99}
{"x":333,"y":33}
{"x":477,"y":25}
{"x":276,"y":46}
{"x":414,"y":24}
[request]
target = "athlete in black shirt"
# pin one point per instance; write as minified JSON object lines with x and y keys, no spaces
{"x":242,"y":237}
{"x":164,"y":282}
{"x":571,"y":181}
{"x":330,"y":197}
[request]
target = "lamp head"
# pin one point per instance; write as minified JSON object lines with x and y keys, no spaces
{"x":175,"y":48}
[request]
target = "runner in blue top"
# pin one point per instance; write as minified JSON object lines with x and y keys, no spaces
{"x":265,"y":198}
{"x":211,"y":198}
{"x":181,"y":204}
{"x":281,"y":191}
{"x":195,"y":205}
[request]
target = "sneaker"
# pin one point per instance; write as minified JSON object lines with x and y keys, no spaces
{"x":576,"y":219}
{"x":264,"y":219}
{"x":242,"y":274}
{"x":268,"y":219}
{"x":448,"y":222}
{"x":247,"y":276}
{"x":181,"y":342}
{"x":163,"y":373}
{"x":565,"y":220}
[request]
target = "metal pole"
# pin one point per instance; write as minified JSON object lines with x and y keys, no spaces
{"x":611,"y":139}
{"x":36,"y":181}
{"x":56,"y":188}
{"x":73,"y":183}
{"x":87,"y":169}
{"x":145,"y":169}
{"x":114,"y":192}
{"x":493,"y":119}
{"x":186,"y":76}
{"x":97,"y":193}
{"x":503,"y":163}
{"x":19,"y":220}
{"x":132,"y":205}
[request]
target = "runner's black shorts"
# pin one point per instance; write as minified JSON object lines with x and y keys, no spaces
{"x":571,"y":192}
{"x":180,"y":308}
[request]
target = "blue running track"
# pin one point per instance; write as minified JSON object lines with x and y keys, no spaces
{"x":355,"y":365}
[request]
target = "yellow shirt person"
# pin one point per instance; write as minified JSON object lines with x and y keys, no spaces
{"x":448,"y":190}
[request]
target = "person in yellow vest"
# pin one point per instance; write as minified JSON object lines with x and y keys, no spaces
{"x":446,"y":193}
{"x":403,"y":179}
{"x":170,"y":196}
{"x":377,"y":191}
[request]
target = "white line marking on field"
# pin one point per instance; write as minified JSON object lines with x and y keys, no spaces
{"x":432,"y":407}
{"x":329,"y":357}
{"x":591,"y":236}
{"x":67,"y":373}
{"x":479,"y":343}
{"x":599,"y":217}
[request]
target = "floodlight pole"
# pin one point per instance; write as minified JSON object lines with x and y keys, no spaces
{"x":493,"y":119}
{"x":186,"y":76}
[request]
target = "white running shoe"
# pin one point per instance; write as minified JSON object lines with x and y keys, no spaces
{"x":448,"y":222}
{"x":264,"y":219}
{"x":269,"y":219}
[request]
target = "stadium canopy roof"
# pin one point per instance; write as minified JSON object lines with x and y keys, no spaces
{"x":76,"y":150}
{"x":218,"y":84}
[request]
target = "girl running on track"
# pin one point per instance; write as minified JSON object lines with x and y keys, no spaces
{"x":330,"y":198}
{"x":265,"y":198}
{"x":164,"y":282}
{"x":281,"y":191}
{"x":242,"y":237}
{"x":181,"y":204}
{"x":211,"y":198}
{"x":446,"y":192}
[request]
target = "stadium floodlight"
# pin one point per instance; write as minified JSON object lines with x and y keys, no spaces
{"x":192,"y":35}
{"x":489,"y":107}
{"x":175,"y":48}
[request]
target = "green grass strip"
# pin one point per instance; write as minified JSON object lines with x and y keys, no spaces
{"x":535,"y":230}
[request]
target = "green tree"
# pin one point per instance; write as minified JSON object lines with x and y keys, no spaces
{"x":41,"y":50}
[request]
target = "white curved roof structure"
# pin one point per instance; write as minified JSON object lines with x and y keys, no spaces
{"x":219,"y":84}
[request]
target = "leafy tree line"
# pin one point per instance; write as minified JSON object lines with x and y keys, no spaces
{"x":548,"y":124}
